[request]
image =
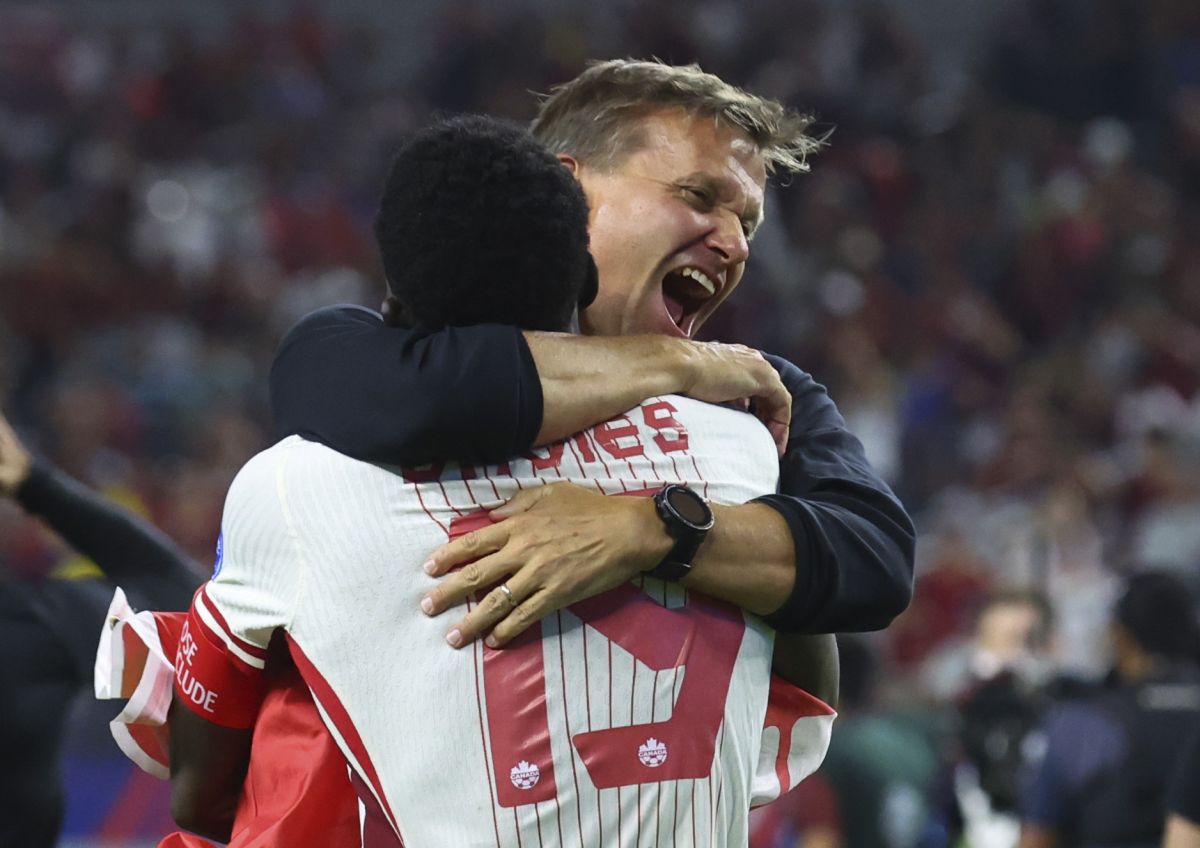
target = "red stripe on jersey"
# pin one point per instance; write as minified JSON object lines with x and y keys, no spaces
{"x":446,"y":497}
{"x":786,"y":705}
{"x":562,"y":670}
{"x":251,"y":649}
{"x":432,"y":517}
{"x":518,"y":725}
{"x":328,"y":699}
{"x":376,"y":832}
{"x":475,"y":648}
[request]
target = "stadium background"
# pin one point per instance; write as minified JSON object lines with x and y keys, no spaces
{"x":995,"y":266}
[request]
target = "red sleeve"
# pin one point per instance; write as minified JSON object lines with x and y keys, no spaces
{"x":218,"y":676}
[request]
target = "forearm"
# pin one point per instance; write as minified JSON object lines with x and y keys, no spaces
{"x":208,"y":768}
{"x":854,"y":559}
{"x":586,"y":380}
{"x":128,"y":549}
{"x":747,"y":559}
{"x":1181,"y":833}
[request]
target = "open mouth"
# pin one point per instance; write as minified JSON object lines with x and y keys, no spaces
{"x":685,"y":291}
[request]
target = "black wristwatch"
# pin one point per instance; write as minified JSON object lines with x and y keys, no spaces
{"x":688,"y":520}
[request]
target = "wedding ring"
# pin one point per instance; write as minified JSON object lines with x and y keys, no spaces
{"x":512,"y":602}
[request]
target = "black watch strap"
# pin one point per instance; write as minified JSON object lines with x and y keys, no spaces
{"x":687,"y":519}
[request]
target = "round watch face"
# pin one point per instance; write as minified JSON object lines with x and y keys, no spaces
{"x":689,"y":507}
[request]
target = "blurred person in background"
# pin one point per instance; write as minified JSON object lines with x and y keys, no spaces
{"x":1102,"y":779}
{"x":808,"y":816}
{"x":49,"y":623}
{"x":1001,"y":682}
{"x":883,"y":765}
{"x":1183,"y":801}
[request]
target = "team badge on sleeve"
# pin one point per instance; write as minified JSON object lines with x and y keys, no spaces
{"x":220,"y":555}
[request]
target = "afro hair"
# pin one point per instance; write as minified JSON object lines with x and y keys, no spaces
{"x":479,"y":223}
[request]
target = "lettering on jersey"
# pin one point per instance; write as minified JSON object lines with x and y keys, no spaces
{"x":220,"y":555}
{"x":189,"y":686}
{"x":524,"y":775}
{"x":660,"y":415}
{"x":652,"y":753}
{"x":619,"y":438}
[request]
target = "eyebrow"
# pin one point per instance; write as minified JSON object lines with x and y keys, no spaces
{"x":721,"y":188}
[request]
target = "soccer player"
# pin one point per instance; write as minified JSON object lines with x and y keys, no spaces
{"x":674,"y":164}
{"x":643,"y":711}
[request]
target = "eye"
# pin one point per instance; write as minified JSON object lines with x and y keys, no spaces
{"x":700,"y":197}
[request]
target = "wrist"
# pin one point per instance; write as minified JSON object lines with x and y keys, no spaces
{"x":674,"y":366}
{"x":650,"y":536}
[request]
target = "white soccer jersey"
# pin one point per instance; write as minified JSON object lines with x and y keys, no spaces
{"x":639,"y":717}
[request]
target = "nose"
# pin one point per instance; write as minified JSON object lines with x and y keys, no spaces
{"x":727,"y":238}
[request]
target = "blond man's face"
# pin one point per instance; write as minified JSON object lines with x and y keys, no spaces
{"x":670,"y":225}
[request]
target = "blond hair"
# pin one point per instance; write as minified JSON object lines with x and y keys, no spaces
{"x":596,"y":117}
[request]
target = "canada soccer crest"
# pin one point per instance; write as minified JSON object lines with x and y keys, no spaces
{"x":220,"y":555}
{"x":652,"y":753}
{"x":525,"y":775}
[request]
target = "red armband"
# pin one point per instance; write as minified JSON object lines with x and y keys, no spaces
{"x":218,"y":676}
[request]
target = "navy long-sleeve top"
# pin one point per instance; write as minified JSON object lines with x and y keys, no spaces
{"x":472,"y":394}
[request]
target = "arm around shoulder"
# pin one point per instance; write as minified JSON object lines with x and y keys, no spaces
{"x":854,"y":543}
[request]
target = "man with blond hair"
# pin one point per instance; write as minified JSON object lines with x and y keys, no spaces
{"x":674,"y":164}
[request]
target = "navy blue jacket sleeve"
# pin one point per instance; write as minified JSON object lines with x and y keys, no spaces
{"x":854,"y":541}
{"x":383,"y":394}
{"x":130,"y":551}
{"x":390,"y":395}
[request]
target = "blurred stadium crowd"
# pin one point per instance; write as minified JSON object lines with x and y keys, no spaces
{"x":997,"y":273}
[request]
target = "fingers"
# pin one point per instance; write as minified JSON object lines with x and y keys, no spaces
{"x":779,"y":432}
{"x":472,"y":577}
{"x":527,"y":613}
{"x":496,"y":607}
{"x":521,"y":502}
{"x":464,"y":549}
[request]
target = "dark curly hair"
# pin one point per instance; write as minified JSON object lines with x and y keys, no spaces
{"x":1159,"y":611}
{"x":479,"y":223}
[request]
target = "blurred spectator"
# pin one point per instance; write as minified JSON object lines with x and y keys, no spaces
{"x":883,"y":764}
{"x":999,"y":682}
{"x":1183,"y":802}
{"x":50,"y":627}
{"x":806,"y":817}
{"x":1103,"y":777}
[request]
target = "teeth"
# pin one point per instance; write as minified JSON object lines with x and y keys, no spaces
{"x":701,"y":278}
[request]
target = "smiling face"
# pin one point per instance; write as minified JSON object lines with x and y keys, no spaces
{"x":670,"y":225}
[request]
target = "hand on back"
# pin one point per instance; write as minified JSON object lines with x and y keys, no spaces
{"x":734,"y":372}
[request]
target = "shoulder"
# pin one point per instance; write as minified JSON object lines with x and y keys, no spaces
{"x":811,"y":405}
{"x":340,"y":316}
{"x":1083,"y":724}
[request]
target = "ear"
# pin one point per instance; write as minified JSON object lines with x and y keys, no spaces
{"x":393,"y":313}
{"x":570,"y":163}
